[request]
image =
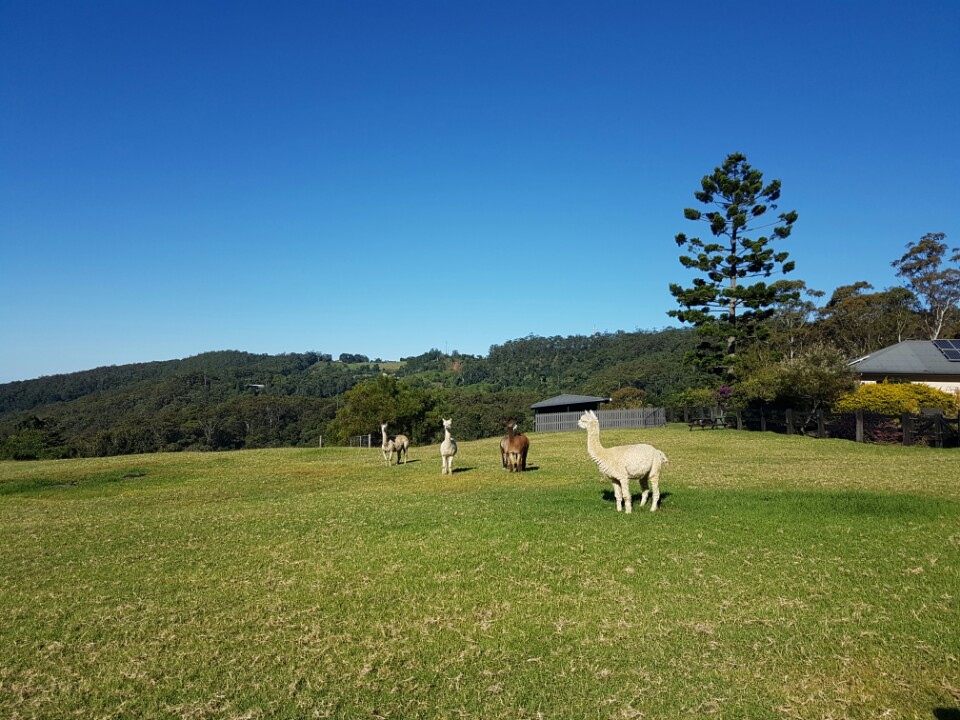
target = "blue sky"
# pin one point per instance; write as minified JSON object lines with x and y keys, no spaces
{"x":385,"y":178}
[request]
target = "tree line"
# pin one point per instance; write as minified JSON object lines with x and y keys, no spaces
{"x":762,"y":337}
{"x":231,"y":399}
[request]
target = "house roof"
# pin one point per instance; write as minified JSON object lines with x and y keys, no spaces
{"x":562,"y":400}
{"x":910,"y":357}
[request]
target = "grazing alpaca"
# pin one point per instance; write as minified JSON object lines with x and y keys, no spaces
{"x":624,"y":463}
{"x":401,"y":443}
{"x":514,"y":448}
{"x":448,"y":448}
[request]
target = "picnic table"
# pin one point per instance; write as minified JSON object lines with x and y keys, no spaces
{"x":709,"y":423}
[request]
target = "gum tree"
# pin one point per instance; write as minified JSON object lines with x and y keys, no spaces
{"x":729,"y":300}
{"x":933,"y":277}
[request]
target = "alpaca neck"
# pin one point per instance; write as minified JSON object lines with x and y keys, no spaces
{"x":594,"y":448}
{"x":593,"y":440}
{"x":446,"y":434}
{"x":383,"y":431}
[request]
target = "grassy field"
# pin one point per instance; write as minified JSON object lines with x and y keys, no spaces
{"x":783,"y":577}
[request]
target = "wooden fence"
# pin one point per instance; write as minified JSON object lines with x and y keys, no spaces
{"x":626,"y":418}
{"x":928,"y":428}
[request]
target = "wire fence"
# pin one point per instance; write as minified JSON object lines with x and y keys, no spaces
{"x":624,"y":418}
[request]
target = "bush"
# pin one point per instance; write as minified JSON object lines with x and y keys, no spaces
{"x":695,"y":397}
{"x":895,"y":399}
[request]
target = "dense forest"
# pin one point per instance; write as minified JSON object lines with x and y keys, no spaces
{"x":231,"y":399}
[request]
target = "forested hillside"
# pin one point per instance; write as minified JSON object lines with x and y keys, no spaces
{"x":232,"y":399}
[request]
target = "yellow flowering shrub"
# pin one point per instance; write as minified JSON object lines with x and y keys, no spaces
{"x":895,"y":399}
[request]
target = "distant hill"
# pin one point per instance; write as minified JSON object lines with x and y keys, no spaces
{"x":230,"y":399}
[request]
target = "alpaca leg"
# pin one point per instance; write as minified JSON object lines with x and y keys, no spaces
{"x":655,"y":484}
{"x":627,"y":499}
{"x":645,"y":494}
{"x":618,"y":493}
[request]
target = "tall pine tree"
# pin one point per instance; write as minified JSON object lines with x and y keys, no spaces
{"x":723,"y":304}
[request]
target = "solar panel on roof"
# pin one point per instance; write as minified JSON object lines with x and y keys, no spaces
{"x":950,"y":348}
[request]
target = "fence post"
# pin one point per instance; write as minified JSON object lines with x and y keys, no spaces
{"x":906,"y":422}
{"x":763,"y":420}
{"x":788,"y":417}
{"x":859,"y":415}
{"x":739,"y":416}
{"x":938,"y":431}
{"x":686,"y":414}
{"x":821,"y":424}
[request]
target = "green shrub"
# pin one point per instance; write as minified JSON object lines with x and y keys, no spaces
{"x":895,"y":399}
{"x":695,"y":397}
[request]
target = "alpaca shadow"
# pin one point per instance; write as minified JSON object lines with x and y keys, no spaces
{"x":463,"y":469}
{"x":635,"y":498}
{"x":947,"y":713}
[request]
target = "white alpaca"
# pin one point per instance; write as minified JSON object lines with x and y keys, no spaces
{"x":388,"y":446}
{"x":448,"y":448}
{"x":625,"y":463}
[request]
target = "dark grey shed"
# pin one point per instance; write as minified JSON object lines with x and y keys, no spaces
{"x":568,"y":403}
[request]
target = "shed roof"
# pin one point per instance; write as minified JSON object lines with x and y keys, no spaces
{"x":910,"y":357}
{"x":563,"y":400}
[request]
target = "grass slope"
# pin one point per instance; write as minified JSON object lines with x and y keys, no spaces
{"x":783,"y":578}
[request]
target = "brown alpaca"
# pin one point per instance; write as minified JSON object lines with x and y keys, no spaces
{"x":513,"y":448}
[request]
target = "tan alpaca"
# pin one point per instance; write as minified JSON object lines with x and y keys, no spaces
{"x":448,"y":448}
{"x":401,"y":443}
{"x":388,"y":446}
{"x":625,"y":463}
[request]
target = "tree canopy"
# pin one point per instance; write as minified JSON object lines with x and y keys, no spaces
{"x":722,"y":303}
{"x":933,"y":276}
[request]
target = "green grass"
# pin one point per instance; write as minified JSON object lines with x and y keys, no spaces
{"x":783,"y":577}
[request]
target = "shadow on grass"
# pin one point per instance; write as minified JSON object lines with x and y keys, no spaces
{"x":609,"y":497}
{"x":947,"y":713}
{"x":60,"y":484}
